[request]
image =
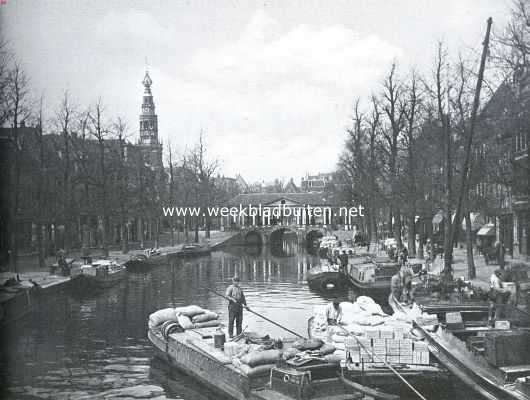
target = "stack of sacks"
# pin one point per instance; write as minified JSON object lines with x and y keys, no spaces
{"x":159,"y":317}
{"x":209,"y":318}
{"x":187,"y":317}
{"x":317,"y":348}
{"x":368,"y":305}
{"x":257,"y":361}
{"x":363,"y":312}
{"x":308,"y":344}
{"x":194,"y":319}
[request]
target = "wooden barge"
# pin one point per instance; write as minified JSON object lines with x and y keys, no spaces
{"x":100,"y":274}
{"x":464,"y":342}
{"x":190,"y":352}
{"x":19,"y":301}
{"x":194,"y":250}
{"x":151,"y":258}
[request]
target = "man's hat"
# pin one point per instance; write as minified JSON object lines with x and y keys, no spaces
{"x":235,"y":278}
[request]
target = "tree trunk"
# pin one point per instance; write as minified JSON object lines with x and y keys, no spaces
{"x":373,"y":227}
{"x":471,"y":270}
{"x":207,"y":227}
{"x":411,"y":237}
{"x":124,"y":237}
{"x":40,"y":246}
{"x":157,"y":229}
{"x":420,"y":242}
{"x":397,"y":229}
{"x":196,"y":230}
{"x":172,"y":232}
{"x":141,"y":232}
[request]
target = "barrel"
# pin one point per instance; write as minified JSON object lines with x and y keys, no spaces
{"x":219,"y":339}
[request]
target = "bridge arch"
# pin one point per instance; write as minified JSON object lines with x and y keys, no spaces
{"x":277,"y":234}
{"x":253,"y":237}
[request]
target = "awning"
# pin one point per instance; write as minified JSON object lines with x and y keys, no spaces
{"x":487,"y":230}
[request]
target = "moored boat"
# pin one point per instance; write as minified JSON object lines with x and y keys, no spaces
{"x":194,"y":249}
{"x":371,"y":273}
{"x":198,"y":353}
{"x":101,"y":273}
{"x":492,"y":361}
{"x":373,"y":342}
{"x":146,"y":259}
{"x":326,"y":276}
{"x":28,"y":292}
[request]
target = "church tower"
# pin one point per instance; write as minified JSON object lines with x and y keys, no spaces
{"x":148,"y":141}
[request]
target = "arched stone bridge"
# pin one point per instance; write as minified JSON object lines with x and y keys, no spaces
{"x":269,"y":234}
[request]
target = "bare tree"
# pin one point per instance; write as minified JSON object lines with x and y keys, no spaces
{"x":120,"y":129}
{"x":100,"y":134}
{"x":411,"y":106}
{"x":18,"y":111}
{"x":392,"y":105}
{"x":64,"y":117}
{"x":203,"y":172}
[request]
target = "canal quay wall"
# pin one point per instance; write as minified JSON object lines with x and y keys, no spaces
{"x":39,"y":288}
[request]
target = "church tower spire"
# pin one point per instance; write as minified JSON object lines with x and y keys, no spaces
{"x":148,"y":143}
{"x":148,"y":117}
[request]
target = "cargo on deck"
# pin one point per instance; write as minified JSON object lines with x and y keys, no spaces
{"x":251,"y":366}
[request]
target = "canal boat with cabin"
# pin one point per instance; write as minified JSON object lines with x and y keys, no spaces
{"x":100,"y":273}
{"x":371,"y":273}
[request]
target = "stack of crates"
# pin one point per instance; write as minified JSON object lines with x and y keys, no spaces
{"x":405,"y":351}
{"x":399,"y":333}
{"x":366,"y":350}
{"x":387,"y":333}
{"x":353,"y":350}
{"x":392,"y":351}
{"x":388,"y":345}
{"x":421,"y":353}
{"x":379,"y":349}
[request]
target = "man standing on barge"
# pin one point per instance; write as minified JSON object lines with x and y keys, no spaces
{"x":235,"y":306}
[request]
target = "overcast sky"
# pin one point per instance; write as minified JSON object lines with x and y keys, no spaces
{"x":271,"y":83}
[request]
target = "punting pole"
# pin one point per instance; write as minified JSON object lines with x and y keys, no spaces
{"x":254,"y":312}
{"x":387,"y":364}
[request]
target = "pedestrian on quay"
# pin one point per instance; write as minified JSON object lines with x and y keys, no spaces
{"x":343,"y":262}
{"x":429,"y":250}
{"x":61,"y":262}
{"x":498,"y":296}
{"x":403,"y":256}
{"x":500,"y":250}
{"x":235,"y":306}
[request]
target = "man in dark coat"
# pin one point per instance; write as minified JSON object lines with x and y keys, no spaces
{"x":235,"y":306}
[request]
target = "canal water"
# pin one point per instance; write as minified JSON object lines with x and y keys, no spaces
{"x":94,"y":345}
